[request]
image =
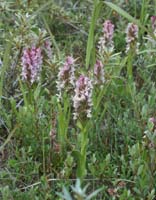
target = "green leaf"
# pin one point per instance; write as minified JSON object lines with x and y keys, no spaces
{"x":76,"y":154}
{"x":66,"y":194}
{"x":37,"y":92}
{"x":140,"y":170}
{"x":23,"y":90}
{"x":79,"y":125}
{"x":8,"y":138}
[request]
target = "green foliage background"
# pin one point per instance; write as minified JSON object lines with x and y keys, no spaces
{"x":121,"y":145}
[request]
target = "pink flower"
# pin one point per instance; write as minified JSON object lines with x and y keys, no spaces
{"x":66,"y":76}
{"x":83,"y":97}
{"x":106,"y":43}
{"x":99,"y":73}
{"x":31,"y":64}
{"x":153,"y":20}
{"x":70,"y":60}
{"x":132,"y":37}
{"x":152,"y":119}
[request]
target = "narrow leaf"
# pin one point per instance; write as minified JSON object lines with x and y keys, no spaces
{"x":90,"y":42}
{"x":94,"y":194}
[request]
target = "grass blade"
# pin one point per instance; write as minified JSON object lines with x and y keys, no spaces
{"x":90,"y":42}
{"x":8,"y":138}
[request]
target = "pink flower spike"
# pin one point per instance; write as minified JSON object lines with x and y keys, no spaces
{"x":132,"y":37}
{"x":31,"y":64}
{"x":108,"y":30}
{"x":66,"y":76}
{"x":83,"y":97}
{"x":152,"y":119}
{"x":106,"y":44}
{"x":70,"y":60}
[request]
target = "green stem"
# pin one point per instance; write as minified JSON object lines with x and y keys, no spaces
{"x":63,"y":123}
{"x":43,"y":154}
{"x":81,"y":172}
{"x":83,"y":152}
{"x":130,"y":66}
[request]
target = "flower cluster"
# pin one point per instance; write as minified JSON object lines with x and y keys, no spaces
{"x":31,"y":64}
{"x":106,"y":44}
{"x":83,"y":97}
{"x":98,"y":73}
{"x":132,"y":37}
{"x":66,"y":75}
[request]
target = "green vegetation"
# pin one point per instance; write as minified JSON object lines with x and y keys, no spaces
{"x":77,"y":100}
